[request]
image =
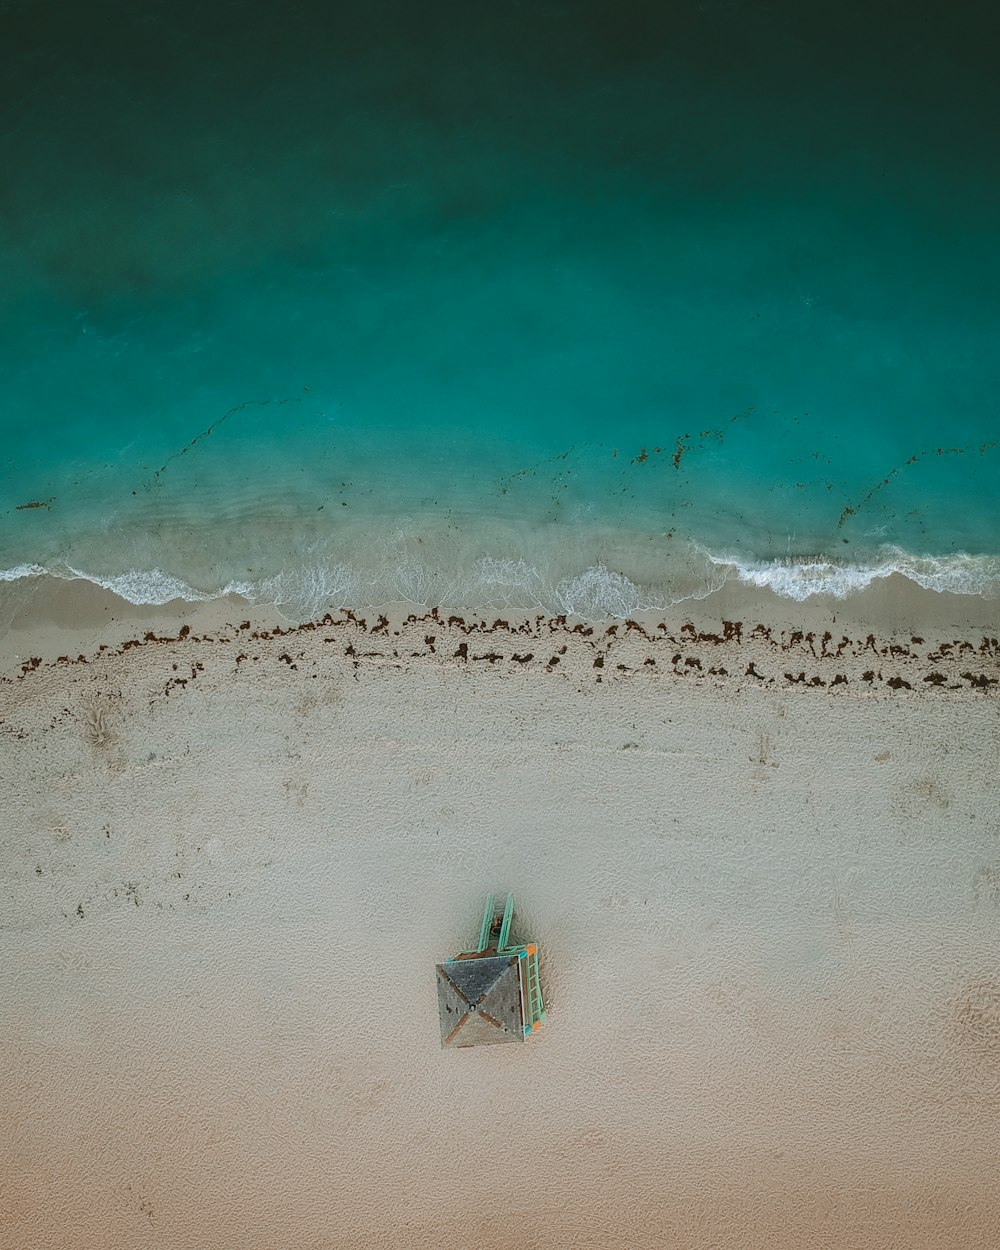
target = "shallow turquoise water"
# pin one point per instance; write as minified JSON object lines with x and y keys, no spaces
{"x":583,"y":305}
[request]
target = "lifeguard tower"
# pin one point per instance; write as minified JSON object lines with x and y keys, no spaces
{"x":491,"y":994}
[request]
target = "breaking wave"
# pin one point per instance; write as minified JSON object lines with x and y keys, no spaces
{"x":958,"y":574}
{"x":593,"y":593}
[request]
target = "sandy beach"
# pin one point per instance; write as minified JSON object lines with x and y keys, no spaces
{"x":757,"y":844}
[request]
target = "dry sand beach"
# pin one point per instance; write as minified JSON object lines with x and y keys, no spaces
{"x":758,"y":846}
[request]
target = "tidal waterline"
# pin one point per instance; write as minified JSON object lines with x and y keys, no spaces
{"x":581,"y":305}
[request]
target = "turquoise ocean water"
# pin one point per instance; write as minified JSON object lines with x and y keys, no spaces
{"x":579,"y":306}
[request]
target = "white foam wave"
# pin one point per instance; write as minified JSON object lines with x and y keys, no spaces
{"x":596,"y":593}
{"x":505,"y":582}
{"x":959,"y":574}
{"x":307,"y":592}
{"x":20,"y":571}
{"x":142,"y":586}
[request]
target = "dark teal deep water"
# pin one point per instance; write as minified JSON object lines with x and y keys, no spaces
{"x":581,"y":305}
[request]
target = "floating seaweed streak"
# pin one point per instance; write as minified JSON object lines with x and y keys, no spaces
{"x":851,"y":509}
{"x":508,"y":480}
{"x":686,"y":442}
{"x":250,"y":403}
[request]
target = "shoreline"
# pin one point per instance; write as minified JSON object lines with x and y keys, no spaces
{"x":591,"y":573}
